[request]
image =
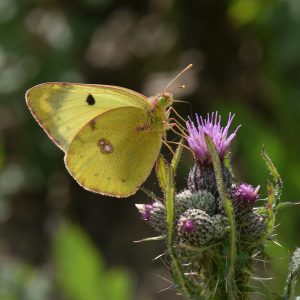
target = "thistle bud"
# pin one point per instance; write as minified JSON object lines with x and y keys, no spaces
{"x":202,"y":177}
{"x":195,"y":227}
{"x":154,"y":214}
{"x":253,"y":227}
{"x":202,"y":199}
{"x":243,"y":198}
{"x":221,"y":226}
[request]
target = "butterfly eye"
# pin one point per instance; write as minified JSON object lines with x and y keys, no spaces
{"x":165,"y":100}
{"x":162,"y":101}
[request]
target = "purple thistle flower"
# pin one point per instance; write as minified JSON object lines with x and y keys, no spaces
{"x":145,"y":210}
{"x":246,"y":192}
{"x":154,"y":214}
{"x":187,"y":225}
{"x":212,"y":127}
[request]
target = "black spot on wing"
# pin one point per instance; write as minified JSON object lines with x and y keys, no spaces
{"x":90,"y":100}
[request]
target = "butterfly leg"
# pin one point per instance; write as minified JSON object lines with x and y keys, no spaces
{"x":176,"y":113}
{"x":179,"y":125}
{"x":172,"y":127}
{"x":180,"y":121}
{"x":168,"y":146}
{"x":183,"y":129}
{"x":178,"y":143}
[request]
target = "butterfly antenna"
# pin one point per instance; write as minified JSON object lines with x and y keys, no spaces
{"x":175,"y":78}
{"x":180,"y":101}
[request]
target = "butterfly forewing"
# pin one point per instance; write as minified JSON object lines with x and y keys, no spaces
{"x":62,"y":109}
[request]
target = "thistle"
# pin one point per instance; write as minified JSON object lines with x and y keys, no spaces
{"x":154,"y":214}
{"x":201,"y":199}
{"x":214,"y":227}
{"x":202,"y":176}
{"x":244,"y":197}
{"x":195,"y":227}
{"x":219,"y":135}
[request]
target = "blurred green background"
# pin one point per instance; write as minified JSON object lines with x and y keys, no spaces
{"x":59,"y":241}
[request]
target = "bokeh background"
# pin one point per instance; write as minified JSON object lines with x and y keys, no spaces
{"x":59,"y":241}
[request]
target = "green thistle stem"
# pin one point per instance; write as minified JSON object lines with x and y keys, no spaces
{"x":184,"y":285}
{"x":228,"y":208}
{"x":170,"y":207}
{"x":294,"y":270}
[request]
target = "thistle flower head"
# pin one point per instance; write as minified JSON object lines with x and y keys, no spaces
{"x":246,"y":192}
{"x":211,"y":126}
{"x":195,"y":227}
{"x":187,"y":225}
{"x":145,"y":210}
{"x":154,"y":215}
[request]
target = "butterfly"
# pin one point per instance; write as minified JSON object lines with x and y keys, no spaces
{"x":111,"y":135}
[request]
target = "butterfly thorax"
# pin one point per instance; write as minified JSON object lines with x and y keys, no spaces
{"x":158,"y":112}
{"x":159,"y":104}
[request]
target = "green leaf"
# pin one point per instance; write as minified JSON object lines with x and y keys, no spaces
{"x":275,"y":175}
{"x":118,"y":285}
{"x":217,"y":166}
{"x":162,"y":172}
{"x":150,"y":239}
{"x":272,"y":169}
{"x":228,"y":165}
{"x":269,"y":209}
{"x":177,"y":155}
{"x":79,"y":267}
{"x":286,"y":205}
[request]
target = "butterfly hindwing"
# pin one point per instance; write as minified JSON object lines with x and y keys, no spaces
{"x":114,"y":153}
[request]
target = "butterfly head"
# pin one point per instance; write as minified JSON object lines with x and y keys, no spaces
{"x":161,"y":100}
{"x":165,"y":100}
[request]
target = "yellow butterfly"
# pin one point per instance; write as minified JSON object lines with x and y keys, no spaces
{"x":111,"y":135}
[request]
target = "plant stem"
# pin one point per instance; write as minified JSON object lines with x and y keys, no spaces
{"x":228,"y":208}
{"x":181,"y":280}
